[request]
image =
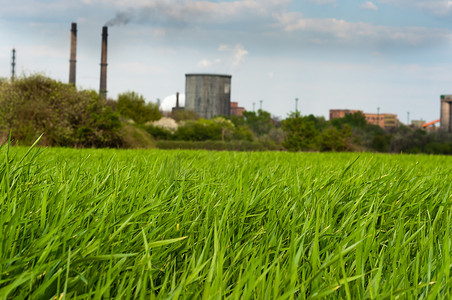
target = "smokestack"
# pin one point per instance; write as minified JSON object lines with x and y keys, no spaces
{"x":177,"y":100}
{"x":13,"y":65}
{"x":73,"y":57}
{"x":103,"y":64}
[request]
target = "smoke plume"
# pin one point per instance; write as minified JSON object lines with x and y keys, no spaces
{"x":121,"y":18}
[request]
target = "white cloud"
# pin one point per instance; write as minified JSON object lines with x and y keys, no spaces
{"x":332,"y":29}
{"x":204,"y":63}
{"x":368,"y":5}
{"x":323,"y":2}
{"x":440,"y":8}
{"x":436,"y":7}
{"x":223,"y":48}
{"x":239,"y":53}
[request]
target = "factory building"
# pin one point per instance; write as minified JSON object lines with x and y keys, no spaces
{"x":445,"y":118}
{"x":340,"y":113}
{"x":208,"y":95}
{"x":383,"y":120}
{"x":236,"y":110}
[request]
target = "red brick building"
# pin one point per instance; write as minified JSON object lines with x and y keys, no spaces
{"x":382,"y":120}
{"x":236,"y":110}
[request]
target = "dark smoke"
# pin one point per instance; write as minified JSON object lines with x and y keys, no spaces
{"x":160,"y":13}
{"x":121,"y":18}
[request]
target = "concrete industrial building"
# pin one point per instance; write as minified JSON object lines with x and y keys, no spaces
{"x":208,"y":95}
{"x":445,"y":118}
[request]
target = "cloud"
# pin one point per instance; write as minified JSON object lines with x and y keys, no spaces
{"x":368,"y":5}
{"x":223,"y":48}
{"x":204,"y":63}
{"x":440,"y":8}
{"x":323,"y":2}
{"x":334,"y":30}
{"x":181,"y":13}
{"x":239,"y":53}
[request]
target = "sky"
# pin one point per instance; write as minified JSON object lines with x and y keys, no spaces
{"x":391,"y":55}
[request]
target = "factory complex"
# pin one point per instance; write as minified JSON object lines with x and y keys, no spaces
{"x":209,"y":95}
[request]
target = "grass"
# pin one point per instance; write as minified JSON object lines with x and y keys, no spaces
{"x":195,"y":224}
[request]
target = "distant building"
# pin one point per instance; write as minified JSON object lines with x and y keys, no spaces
{"x":178,"y":106}
{"x":208,"y":95}
{"x":445,"y":123}
{"x":340,"y":113}
{"x":236,"y":110}
{"x":417,"y":123}
{"x":383,"y":120}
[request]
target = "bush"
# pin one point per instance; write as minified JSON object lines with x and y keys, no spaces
{"x":34,"y":105}
{"x":216,"y":145}
{"x":158,"y":132}
{"x":133,"y":106}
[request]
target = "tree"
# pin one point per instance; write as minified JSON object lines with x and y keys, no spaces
{"x":260,"y":123}
{"x":67,"y":117}
{"x":301,"y":133}
{"x":133,"y":106}
{"x":356,"y":120}
{"x":334,"y":139}
{"x":201,"y":130}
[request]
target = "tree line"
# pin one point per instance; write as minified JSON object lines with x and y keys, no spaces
{"x":70,"y":117}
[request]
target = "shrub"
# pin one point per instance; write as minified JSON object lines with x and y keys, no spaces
{"x":34,"y":105}
{"x":133,"y":106}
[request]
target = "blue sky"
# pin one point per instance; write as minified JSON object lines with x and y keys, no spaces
{"x":331,"y":54}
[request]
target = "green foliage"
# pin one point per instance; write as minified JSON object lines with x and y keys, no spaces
{"x":355,"y":120}
{"x":184,"y":115}
{"x":235,"y":145}
{"x":333,"y":139}
{"x":242,"y":133}
{"x":202,"y":130}
{"x":67,"y":117}
{"x":260,"y":123}
{"x":135,"y":137}
{"x":301,"y":133}
{"x":133,"y":106}
{"x":158,"y":132}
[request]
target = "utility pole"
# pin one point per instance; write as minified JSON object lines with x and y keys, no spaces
{"x":408,"y":118}
{"x":13,"y":65}
{"x":378,"y":116}
{"x":260,"y":104}
{"x":296,"y":105}
{"x":254,"y":106}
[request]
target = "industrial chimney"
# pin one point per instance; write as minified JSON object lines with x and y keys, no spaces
{"x":13,"y":65}
{"x":73,"y":57}
{"x":103,"y":64}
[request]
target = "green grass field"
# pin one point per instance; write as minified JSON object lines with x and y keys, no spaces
{"x":197,"y":224}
